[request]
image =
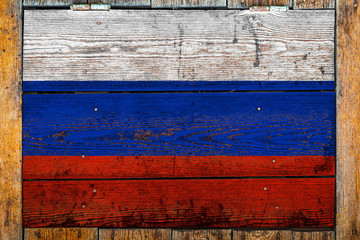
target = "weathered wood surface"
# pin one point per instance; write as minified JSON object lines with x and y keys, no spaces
{"x":200,"y":234}
{"x":10,"y":120}
{"x":242,"y":4}
{"x":124,"y":3}
{"x":180,"y":124}
{"x":52,"y":3}
{"x":130,"y":45}
{"x":314,"y":4}
{"x":110,"y":167}
{"x":285,"y":202}
{"x":262,"y":235}
{"x":61,"y":234}
{"x":173,"y":86}
{"x":67,"y":3}
{"x":348,"y":125}
{"x":135,"y":234}
{"x":187,"y":3}
{"x":319,"y":235}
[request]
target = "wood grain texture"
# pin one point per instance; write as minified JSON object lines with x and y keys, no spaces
{"x":67,"y":3}
{"x":262,"y":235}
{"x":201,"y":234}
{"x":314,"y":4}
{"x":179,"y":45}
{"x":52,"y":3}
{"x":110,"y":167}
{"x":242,"y":4}
{"x":319,"y":235}
{"x":187,"y":3}
{"x":61,"y":234}
{"x":10,"y":119}
{"x":180,"y":124}
{"x":198,"y":203}
{"x":135,"y":234}
{"x":174,"y":86}
{"x":348,"y":125}
{"x":124,"y":3}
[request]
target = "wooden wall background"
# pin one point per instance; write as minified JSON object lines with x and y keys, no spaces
{"x":348,"y":224}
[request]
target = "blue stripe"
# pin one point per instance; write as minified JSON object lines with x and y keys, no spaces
{"x":75,"y":86}
{"x":166,"y":124}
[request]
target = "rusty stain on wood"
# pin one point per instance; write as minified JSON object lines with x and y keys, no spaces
{"x":261,"y":235}
{"x":61,"y":234}
{"x":202,"y":234}
{"x":317,"y":235}
{"x":348,"y":120}
{"x":136,"y":234}
{"x":10,"y":120}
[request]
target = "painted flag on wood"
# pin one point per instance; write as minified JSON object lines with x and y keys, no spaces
{"x":167,"y":129}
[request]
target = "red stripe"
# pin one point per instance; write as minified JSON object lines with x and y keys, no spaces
{"x":102,"y":167}
{"x":286,"y":202}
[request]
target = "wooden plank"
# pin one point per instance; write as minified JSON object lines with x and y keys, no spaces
{"x":52,"y":3}
{"x":347,"y":120}
{"x":248,"y":3}
{"x":138,"y":234}
{"x":61,"y":233}
{"x":174,"y":86}
{"x":208,"y":234}
{"x":201,"y":203}
{"x":67,"y":3}
{"x":110,"y":167}
{"x":10,"y":119}
{"x":319,"y":235}
{"x":314,"y":4}
{"x":124,"y":3}
{"x":187,"y":3}
{"x":180,"y":124}
{"x":262,"y":235}
{"x":178,"y":46}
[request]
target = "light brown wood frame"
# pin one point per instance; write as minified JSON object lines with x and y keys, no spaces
{"x":348,"y":130}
